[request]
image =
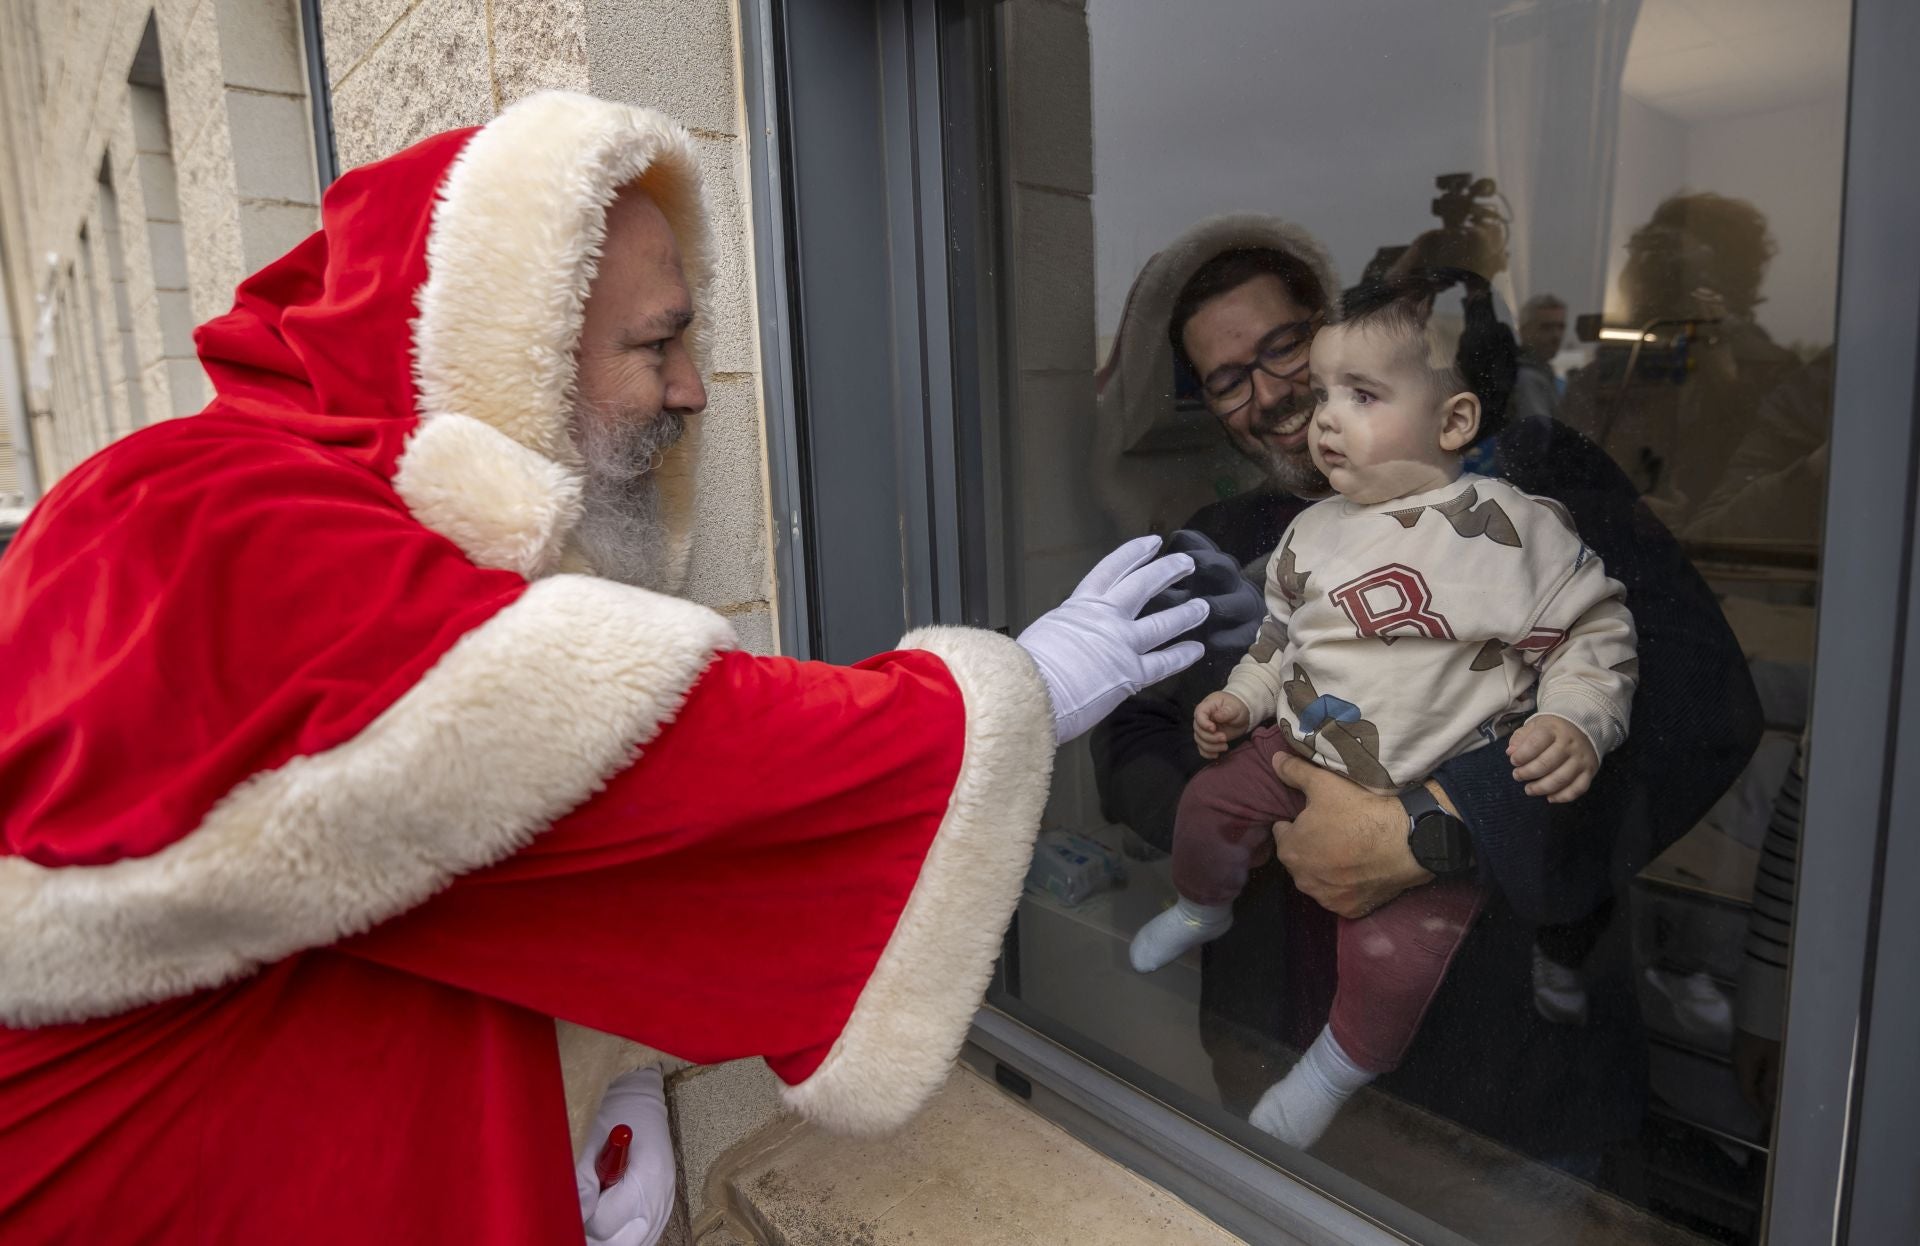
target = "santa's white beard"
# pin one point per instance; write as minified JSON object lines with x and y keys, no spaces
{"x":622,"y":532}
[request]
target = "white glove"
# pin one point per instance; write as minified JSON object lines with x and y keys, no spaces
{"x":633,"y":1211}
{"x":1094,"y":652}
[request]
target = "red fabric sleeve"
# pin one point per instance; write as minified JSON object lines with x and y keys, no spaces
{"x":729,"y":893}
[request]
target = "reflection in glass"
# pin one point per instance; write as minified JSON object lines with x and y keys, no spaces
{"x":1596,"y":1062}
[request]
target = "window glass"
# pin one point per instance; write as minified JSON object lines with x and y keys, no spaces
{"x":1613,"y":226}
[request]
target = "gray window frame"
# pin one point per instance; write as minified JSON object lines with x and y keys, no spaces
{"x":326,"y":161}
{"x":876,"y":126}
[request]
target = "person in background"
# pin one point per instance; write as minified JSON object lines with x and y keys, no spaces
{"x":1692,"y":280}
{"x":1776,"y":481}
{"x":1543,"y":327}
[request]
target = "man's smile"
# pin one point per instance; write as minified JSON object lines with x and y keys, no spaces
{"x":1288,"y":432}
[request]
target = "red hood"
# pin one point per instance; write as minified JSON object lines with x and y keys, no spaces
{"x":203,"y":619}
{"x":320,"y":340}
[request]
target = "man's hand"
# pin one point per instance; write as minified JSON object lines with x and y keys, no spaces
{"x":633,"y":1211}
{"x":1553,"y":758}
{"x":1235,"y":604}
{"x":1220,"y":720}
{"x":1347,"y":849}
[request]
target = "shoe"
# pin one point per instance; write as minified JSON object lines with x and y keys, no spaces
{"x":1701,"y":1010}
{"x":1559,"y":993}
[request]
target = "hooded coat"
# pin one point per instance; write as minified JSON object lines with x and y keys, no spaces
{"x":332,"y":777}
{"x":1158,"y":460}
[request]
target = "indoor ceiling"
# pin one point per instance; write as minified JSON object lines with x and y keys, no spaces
{"x":1698,"y":60}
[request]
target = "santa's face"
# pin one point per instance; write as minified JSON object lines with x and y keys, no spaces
{"x":637,"y":387}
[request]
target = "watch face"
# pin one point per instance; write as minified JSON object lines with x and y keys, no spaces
{"x":1433,"y":847}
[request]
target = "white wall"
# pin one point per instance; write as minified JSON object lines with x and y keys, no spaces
{"x":1651,"y":164}
{"x":1787,"y":163}
{"x":1337,"y":116}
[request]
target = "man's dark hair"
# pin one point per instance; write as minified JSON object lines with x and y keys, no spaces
{"x":1232,"y":269}
{"x":1487,"y":357}
{"x":1700,"y":239}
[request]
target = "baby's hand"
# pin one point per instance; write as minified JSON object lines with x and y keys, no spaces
{"x":1221,"y":719}
{"x":1553,"y":758}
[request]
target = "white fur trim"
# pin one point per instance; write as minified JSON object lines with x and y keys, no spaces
{"x":912,"y":1016}
{"x":504,"y":505}
{"x":514,"y":247}
{"x":521,"y":721}
{"x":515,"y":244}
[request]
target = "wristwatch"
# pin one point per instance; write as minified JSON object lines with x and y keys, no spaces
{"x":1438,"y":840}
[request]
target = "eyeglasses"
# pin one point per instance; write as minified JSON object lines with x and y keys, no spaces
{"x":1281,"y":354}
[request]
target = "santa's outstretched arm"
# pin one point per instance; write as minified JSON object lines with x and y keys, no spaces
{"x":810,"y":863}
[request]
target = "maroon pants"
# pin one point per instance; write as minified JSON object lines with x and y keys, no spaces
{"x":1390,"y":962}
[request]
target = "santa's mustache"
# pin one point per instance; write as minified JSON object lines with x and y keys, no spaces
{"x":623,"y":445}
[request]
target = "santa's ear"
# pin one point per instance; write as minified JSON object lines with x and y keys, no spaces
{"x":1459,"y":422}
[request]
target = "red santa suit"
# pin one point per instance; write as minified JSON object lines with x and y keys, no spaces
{"x":329,"y":781}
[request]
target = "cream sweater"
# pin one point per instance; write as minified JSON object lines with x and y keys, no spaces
{"x":1401,"y":634}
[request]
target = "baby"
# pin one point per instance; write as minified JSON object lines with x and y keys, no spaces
{"x":1421,"y":613}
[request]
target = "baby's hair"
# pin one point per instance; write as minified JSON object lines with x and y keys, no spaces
{"x":1485,"y":358}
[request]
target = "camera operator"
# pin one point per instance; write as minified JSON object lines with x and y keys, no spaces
{"x":1543,"y":327}
{"x":1213,"y":303}
{"x":1672,"y":410}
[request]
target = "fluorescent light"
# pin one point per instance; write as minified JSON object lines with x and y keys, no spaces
{"x":1626,"y":335}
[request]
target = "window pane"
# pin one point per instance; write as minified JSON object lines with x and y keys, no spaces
{"x":1573,"y":1037}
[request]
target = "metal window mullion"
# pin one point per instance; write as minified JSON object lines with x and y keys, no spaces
{"x":773,"y":293}
{"x":936,"y":312}
{"x":1878,"y":386}
{"x":326,"y":160}
{"x":905,"y":278}
{"x":1845,"y":1074}
{"x":922,"y":346}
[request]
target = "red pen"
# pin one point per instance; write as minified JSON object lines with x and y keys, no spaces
{"x":611,"y":1164}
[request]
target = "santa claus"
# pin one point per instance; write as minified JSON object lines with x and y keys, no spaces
{"x":355,"y":737}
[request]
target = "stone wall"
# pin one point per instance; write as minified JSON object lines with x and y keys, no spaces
{"x":153,"y":153}
{"x":400,"y":71}
{"x":1057,"y":528}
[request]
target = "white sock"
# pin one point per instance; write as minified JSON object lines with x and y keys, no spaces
{"x":1186,"y":925}
{"x":1298,"y":1108}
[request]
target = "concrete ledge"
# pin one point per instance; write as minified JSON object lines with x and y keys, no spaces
{"x":974,"y":1168}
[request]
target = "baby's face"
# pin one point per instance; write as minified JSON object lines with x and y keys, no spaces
{"x":1377,"y":415}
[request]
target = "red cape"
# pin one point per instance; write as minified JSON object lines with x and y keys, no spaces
{"x":330,"y":780}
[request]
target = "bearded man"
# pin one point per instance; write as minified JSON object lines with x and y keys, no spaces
{"x":354,"y":739}
{"x":1550,"y":1064}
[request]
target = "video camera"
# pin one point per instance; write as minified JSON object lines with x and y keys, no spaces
{"x":1472,"y":233}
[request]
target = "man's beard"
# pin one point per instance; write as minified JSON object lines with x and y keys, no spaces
{"x":622,"y":531}
{"x":1292,"y":471}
